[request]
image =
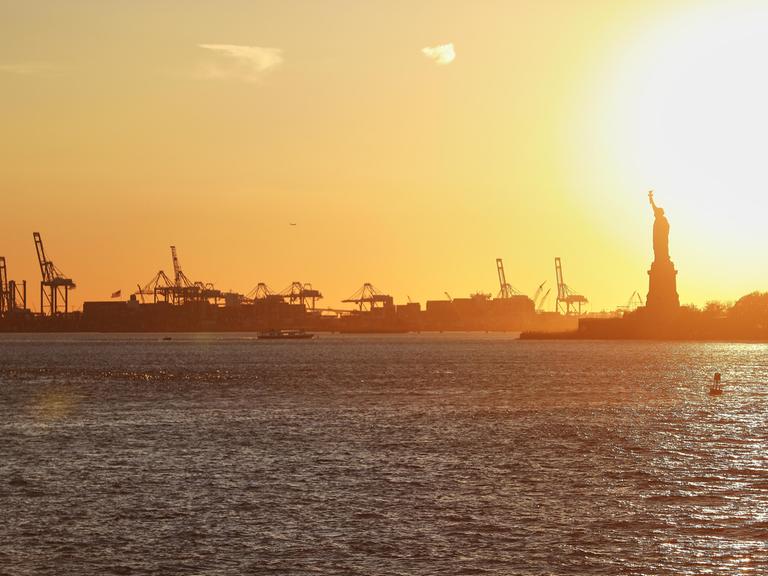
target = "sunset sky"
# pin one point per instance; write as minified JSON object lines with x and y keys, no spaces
{"x":412,"y":143}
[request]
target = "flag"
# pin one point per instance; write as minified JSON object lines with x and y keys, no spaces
{"x":117,"y":294}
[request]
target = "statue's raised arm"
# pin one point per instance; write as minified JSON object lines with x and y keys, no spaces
{"x":660,"y":231}
{"x":650,"y":199}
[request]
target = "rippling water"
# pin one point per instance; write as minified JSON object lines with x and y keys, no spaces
{"x":413,"y":454}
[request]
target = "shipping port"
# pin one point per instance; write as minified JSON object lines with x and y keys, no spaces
{"x":175,"y":303}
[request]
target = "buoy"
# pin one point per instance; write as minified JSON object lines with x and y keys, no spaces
{"x":716,"y":389}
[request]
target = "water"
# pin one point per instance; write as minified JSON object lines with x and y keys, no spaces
{"x":412,"y":454}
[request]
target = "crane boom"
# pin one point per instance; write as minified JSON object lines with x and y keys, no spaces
{"x":561,"y":288}
{"x":5,"y":299}
{"x":3,"y":274}
{"x":177,"y":273}
{"x":504,"y":287}
{"x":46,"y":267}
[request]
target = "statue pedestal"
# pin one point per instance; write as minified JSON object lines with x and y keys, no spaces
{"x":662,"y":287}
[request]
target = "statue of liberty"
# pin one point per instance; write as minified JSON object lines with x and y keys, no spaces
{"x":660,"y":232}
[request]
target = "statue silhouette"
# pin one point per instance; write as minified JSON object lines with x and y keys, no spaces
{"x":660,"y":232}
{"x":662,"y":282}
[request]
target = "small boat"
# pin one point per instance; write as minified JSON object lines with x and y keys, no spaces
{"x":285,"y":335}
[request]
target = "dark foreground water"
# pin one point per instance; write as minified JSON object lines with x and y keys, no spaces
{"x":446,"y":454}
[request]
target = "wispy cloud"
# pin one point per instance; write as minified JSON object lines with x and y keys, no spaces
{"x":442,"y":54}
{"x":39,"y":69}
{"x":246,"y":63}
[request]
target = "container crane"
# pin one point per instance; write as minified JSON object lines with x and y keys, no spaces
{"x":179,"y":289}
{"x":17,"y":295}
{"x":505,"y":289}
{"x":298,"y":293}
{"x":568,"y":301}
{"x":160,"y":288}
{"x":371,"y":297}
{"x":54,"y":286}
{"x":260,"y":292}
{"x":12,"y":295}
{"x":184,"y":290}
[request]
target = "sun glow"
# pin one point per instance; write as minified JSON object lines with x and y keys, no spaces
{"x":685,"y":111}
{"x":522,"y":129}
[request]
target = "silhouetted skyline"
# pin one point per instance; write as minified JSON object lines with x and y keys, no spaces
{"x":411,"y":143}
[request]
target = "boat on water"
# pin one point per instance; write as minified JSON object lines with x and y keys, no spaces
{"x":285,"y":335}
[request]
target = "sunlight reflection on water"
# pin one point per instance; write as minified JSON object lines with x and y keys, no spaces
{"x":387,"y":455}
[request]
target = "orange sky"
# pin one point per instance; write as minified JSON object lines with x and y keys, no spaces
{"x":130,"y":126}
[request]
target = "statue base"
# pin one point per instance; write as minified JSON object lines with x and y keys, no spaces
{"x":662,"y":287}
